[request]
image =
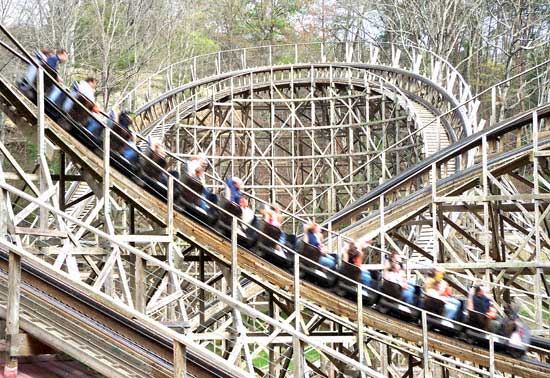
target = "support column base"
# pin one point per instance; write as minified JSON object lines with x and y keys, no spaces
{"x":10,"y":372}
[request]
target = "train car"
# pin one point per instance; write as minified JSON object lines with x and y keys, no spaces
{"x":267,"y":247}
{"x":386,"y":305}
{"x":348,"y":289}
{"x":437,"y":306}
{"x":311,"y":270}
{"x":187,"y":199}
{"x":246,"y":236}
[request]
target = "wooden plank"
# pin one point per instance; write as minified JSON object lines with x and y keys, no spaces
{"x":26,"y":346}
{"x":180,"y":360}
{"x":12,"y":312}
{"x":88,"y":251}
{"x":12,"y":176}
{"x":37,"y":232}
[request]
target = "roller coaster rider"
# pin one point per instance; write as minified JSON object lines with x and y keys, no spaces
{"x":272,"y":215}
{"x":437,"y":287}
{"x":314,"y":237}
{"x":125,"y":143}
{"x":51,"y":67}
{"x":233,"y":189}
{"x":84,"y":93}
{"x":354,"y":255}
{"x":394,"y":273}
{"x":482,"y":304}
{"x":27,"y":84}
{"x":196,"y":168}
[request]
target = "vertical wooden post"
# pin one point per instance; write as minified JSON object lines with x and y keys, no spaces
{"x":296,"y":344}
{"x":425,"y":351}
{"x":41,"y":144}
{"x":485,"y":187}
{"x":539,"y":275}
{"x":493,"y":117}
{"x":3,"y":209}
{"x":382,"y":224}
{"x":435,"y":252}
{"x":491,"y":357}
{"x":61,"y":181}
{"x":202,"y":304}
{"x":109,"y":285}
{"x":384,"y":359}
{"x":106,"y":170}
{"x":140,"y":285}
{"x":360,"y":333}
{"x":170,"y":246}
{"x":139,"y":268}
{"x":180,"y":360}
{"x":12,"y":317}
{"x":234,"y":261}
{"x":272,"y":356}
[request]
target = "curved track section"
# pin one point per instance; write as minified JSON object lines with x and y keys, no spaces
{"x":293,"y":131}
{"x":415,"y":67}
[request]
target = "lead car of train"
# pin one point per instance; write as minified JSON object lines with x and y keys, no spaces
{"x":188,"y":202}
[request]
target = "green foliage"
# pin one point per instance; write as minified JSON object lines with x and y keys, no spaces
{"x":284,"y":60}
{"x":201,"y":43}
{"x":269,"y":21}
{"x":491,"y":71}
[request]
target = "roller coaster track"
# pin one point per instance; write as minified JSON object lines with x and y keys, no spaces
{"x":256,"y":268}
{"x":403,"y":69}
{"x":432,"y":85}
{"x":392,"y":187}
{"x":106,"y":339}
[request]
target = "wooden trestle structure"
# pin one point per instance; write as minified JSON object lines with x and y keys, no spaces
{"x":170,"y":296}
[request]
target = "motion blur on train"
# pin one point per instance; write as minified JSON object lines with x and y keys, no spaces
{"x":471,"y":317}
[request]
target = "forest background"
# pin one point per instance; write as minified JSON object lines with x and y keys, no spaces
{"x":123,"y":41}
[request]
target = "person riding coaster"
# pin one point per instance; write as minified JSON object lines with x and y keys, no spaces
{"x":395,"y":285}
{"x":351,"y":267}
{"x":438,"y":300}
{"x":508,"y":333}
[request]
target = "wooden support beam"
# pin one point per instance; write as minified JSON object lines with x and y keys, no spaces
{"x":12,"y":316}
{"x":505,"y":207}
{"x":80,"y":199}
{"x":59,"y":177}
{"x":410,"y":244}
{"x":37,"y":232}
{"x":461,"y":231}
{"x":24,"y":345}
{"x":88,"y":251}
{"x":12,"y":176}
{"x":180,"y":360}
